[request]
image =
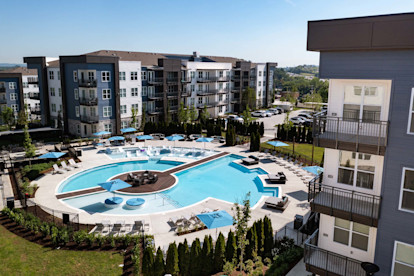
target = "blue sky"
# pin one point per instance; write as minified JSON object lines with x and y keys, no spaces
{"x":257,"y":30}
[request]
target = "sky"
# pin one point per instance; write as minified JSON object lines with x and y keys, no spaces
{"x":256,"y":30}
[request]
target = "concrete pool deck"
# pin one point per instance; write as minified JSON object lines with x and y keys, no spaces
{"x":294,"y":188}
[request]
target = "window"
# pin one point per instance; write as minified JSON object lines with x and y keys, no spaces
{"x":76,"y":93}
{"x":75,"y":76}
{"x":221,"y":74}
{"x":134,"y":92}
{"x":192,"y":74}
{"x":124,"y":124}
{"x":260,"y":73}
{"x":106,"y":76}
{"x":362,"y":102}
{"x":52,"y":91}
{"x":192,"y":88}
{"x":77,"y":111}
{"x":60,"y":108}
{"x":122,"y":92}
{"x":403,"y":259}
{"x":58,"y":75}
{"x":144,"y":91}
{"x":93,"y":128}
{"x":200,"y":74}
{"x":15,"y":107}
{"x":60,"y":92}
{"x":108,"y":127}
{"x":144,"y":75}
{"x":122,"y":76}
{"x":51,"y":75}
{"x":260,"y":83}
{"x":192,"y":101}
{"x":134,"y":106}
{"x":13,"y":96}
{"x":150,"y":75}
{"x":106,"y":94}
{"x":221,"y":109}
{"x":351,"y":234}
{"x":354,"y":171}
{"x":54,"y":107}
{"x":25,"y":85}
{"x":407,"y":190}
{"x":107,"y":111}
{"x":134,"y":75}
{"x":123,"y":109}
{"x":78,"y":129}
{"x":200,"y":100}
{"x":410,"y":129}
{"x":12,"y":85}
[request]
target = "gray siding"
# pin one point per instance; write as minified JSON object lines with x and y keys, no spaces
{"x":397,"y":66}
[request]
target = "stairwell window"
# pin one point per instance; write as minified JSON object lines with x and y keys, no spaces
{"x":134,"y":75}
{"x":106,"y":94}
{"x":144,"y":91}
{"x":122,"y":92}
{"x":351,"y":234}
{"x":106,"y":76}
{"x":144,"y":75}
{"x":108,"y":127}
{"x":134,"y":92}
{"x":407,"y":190}
{"x":51,"y":75}
{"x":123,"y":109}
{"x":107,"y":111}
{"x":12,"y":85}
{"x":13,"y":96}
{"x":403,"y":259}
{"x":75,"y":93}
{"x":75,"y":76}
{"x":121,"y":76}
{"x":410,"y":129}
{"x":77,"y":111}
{"x":356,"y":169}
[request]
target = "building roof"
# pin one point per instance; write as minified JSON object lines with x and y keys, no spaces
{"x":22,"y":70}
{"x":54,"y":63}
{"x":151,"y":59}
{"x":382,"y":32}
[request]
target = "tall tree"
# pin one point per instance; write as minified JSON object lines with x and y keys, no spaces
{"x":171,"y":265}
{"x":219,"y":254}
{"x":204,"y":115}
{"x":251,"y":247}
{"x":182,"y":114}
{"x":143,"y":118}
{"x":247,"y":116}
{"x":159,"y":266}
{"x":260,"y":236}
{"x":184,"y":258}
{"x":193,"y":114}
{"x":134,"y":113}
{"x":148,"y":262}
{"x":207,"y":256}
{"x":22,"y":118}
{"x":268,"y":237}
{"x":231,"y":247}
{"x":241,"y":218}
{"x":168,"y":115}
{"x":195,"y":262}
{"x":248,"y":98}
{"x":8,"y":117}
{"x":29,"y":148}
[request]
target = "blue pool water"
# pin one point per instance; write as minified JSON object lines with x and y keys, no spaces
{"x":90,"y":178}
{"x":220,"y":178}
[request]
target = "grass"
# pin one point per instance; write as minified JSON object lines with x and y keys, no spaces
{"x":21,"y":257}
{"x":302,"y":149}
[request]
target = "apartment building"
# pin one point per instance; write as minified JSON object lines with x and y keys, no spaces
{"x":365,"y":199}
{"x":19,"y":90}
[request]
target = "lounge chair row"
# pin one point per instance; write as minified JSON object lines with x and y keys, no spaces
{"x":187,"y":220}
{"x":65,"y":167}
{"x":119,"y":227}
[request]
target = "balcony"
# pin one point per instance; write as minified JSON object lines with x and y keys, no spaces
{"x":206,"y":93}
{"x":360,"y":135}
{"x":186,"y":93}
{"x":174,"y":108}
{"x":156,"y":81}
{"x":186,"y":80}
{"x":208,"y":105}
{"x":225,"y":102}
{"x":2,"y":89}
{"x":206,"y":80}
{"x":155,"y":111}
{"x":346,"y":204}
{"x":35,"y":110}
{"x":155,"y":96}
{"x":34,"y":96}
{"x":32,"y":80}
{"x":88,"y":101}
{"x":235,"y":100}
{"x":87,"y":83}
{"x":323,"y":262}
{"x":3,"y":101}
{"x":89,"y":119}
{"x":222,"y":91}
{"x":240,"y":77}
{"x":173,"y":94}
{"x":172,"y":80}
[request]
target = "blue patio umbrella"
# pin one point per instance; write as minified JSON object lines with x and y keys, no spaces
{"x":116,"y":138}
{"x":145,"y":137}
{"x":101,"y":133}
{"x":314,"y":169}
{"x":205,"y":140}
{"x":128,"y":129}
{"x":277,"y":144}
{"x":174,"y":138}
{"x":216,"y":219}
{"x":114,"y":185}
{"x":52,"y":155}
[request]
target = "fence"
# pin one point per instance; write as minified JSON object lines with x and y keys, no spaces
{"x":302,"y":233}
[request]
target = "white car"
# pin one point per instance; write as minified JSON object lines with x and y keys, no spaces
{"x":274,"y":111}
{"x":259,"y":113}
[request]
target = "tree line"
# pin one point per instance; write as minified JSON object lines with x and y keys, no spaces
{"x":301,"y":134}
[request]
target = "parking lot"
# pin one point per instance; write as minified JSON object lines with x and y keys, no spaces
{"x":270,"y":122}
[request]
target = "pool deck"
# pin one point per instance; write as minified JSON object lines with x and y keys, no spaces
{"x":294,"y":188}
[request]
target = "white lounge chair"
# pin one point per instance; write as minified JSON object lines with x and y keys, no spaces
{"x":72,"y":163}
{"x":56,"y":169}
{"x":66,"y":167}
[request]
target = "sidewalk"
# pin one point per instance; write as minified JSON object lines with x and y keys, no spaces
{"x":299,"y":270}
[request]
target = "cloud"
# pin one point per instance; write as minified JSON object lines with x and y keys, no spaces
{"x":290,"y":2}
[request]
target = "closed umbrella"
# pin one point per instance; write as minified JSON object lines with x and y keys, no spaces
{"x":205,"y":140}
{"x":174,"y":138}
{"x":316,"y":170}
{"x":52,"y":155}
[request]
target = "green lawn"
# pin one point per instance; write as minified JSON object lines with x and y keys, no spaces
{"x":303,"y":149}
{"x":21,"y":257}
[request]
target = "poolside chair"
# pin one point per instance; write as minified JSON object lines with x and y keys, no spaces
{"x":66,"y":167}
{"x":292,"y":166}
{"x":117,"y":227}
{"x":107,"y":225}
{"x":138,"y":224}
{"x":98,"y":228}
{"x":73,"y":164}
{"x":122,"y":230}
{"x":56,"y":169}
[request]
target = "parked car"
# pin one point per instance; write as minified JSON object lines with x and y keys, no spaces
{"x":275,"y":111}
{"x":193,"y":137}
{"x":158,"y":136}
{"x":232,"y":116}
{"x":220,"y":139}
{"x":269,"y":113}
{"x":235,"y":118}
{"x":259,"y":113}
{"x":306,"y":116}
{"x":281,"y":110}
{"x":297,"y":121}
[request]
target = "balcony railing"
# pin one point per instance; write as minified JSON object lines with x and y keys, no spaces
{"x":186,"y":80}
{"x":208,"y":105}
{"x":172,"y":94}
{"x":346,"y":204}
{"x":173,"y":107}
{"x":239,"y":77}
{"x":35,"y":110}
{"x":359,"y":135}
{"x":156,"y":96}
{"x":88,"y":101}
{"x":87,"y":83}
{"x":2,"y":89}
{"x":222,"y":91}
{"x":235,"y":100}
{"x":156,"y":80}
{"x":172,"y":80}
{"x":225,"y":102}
{"x":34,"y":96}
{"x":3,"y":101}
{"x":186,"y":93}
{"x":32,"y":80}
{"x":89,"y":119}
{"x":323,"y":262}
{"x":155,"y":111}
{"x":206,"y":93}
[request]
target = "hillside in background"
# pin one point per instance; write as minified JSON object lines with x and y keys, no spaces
{"x":4,"y":66}
{"x":306,"y":70}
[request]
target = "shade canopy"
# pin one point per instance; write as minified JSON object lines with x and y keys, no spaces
{"x":314,"y":169}
{"x":128,"y":129}
{"x":101,"y":133}
{"x":145,"y":137}
{"x":216,"y":219}
{"x":174,"y":138}
{"x":204,"y":139}
{"x":52,"y":155}
{"x":277,"y":144}
{"x":116,"y":138}
{"x":114,"y":185}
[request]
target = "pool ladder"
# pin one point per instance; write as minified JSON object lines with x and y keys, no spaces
{"x":170,"y":200}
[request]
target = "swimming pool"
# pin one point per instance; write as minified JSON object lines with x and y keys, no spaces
{"x":158,"y":152}
{"x":220,"y":178}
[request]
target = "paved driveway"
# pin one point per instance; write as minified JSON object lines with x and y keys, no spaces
{"x":270,"y":122}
